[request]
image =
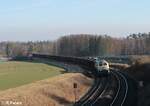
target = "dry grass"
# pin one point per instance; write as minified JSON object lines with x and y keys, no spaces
{"x":140,"y":71}
{"x":119,"y":66}
{"x":140,"y":68}
{"x":57,"y":91}
{"x":140,"y":59}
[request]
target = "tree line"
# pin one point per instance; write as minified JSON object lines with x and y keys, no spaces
{"x":81,"y":45}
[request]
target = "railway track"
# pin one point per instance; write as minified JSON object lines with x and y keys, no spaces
{"x":89,"y":93}
{"x":97,"y":95}
{"x":124,"y":92}
{"x":93,"y":93}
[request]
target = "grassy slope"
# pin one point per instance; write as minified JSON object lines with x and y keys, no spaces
{"x":13,"y":74}
{"x":56,"y":91}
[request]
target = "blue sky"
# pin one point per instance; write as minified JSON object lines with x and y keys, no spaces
{"x":23,"y":20}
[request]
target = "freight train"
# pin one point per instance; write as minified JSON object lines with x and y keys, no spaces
{"x":93,"y":65}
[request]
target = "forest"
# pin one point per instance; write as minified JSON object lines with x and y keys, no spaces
{"x":81,"y":45}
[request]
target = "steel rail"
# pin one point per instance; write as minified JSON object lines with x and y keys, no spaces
{"x":126,"y":88}
{"x":88,"y":94}
{"x":96,"y":94}
{"x":100,"y":95}
{"x":120,"y":77}
{"x":119,"y":83}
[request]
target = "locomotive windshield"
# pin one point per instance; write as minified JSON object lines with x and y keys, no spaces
{"x":100,"y":64}
{"x":105,"y":64}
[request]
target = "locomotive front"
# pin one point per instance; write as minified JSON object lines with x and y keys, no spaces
{"x":102,"y":66}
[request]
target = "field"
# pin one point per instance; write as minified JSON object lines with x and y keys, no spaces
{"x":14,"y":74}
{"x":55,"y":91}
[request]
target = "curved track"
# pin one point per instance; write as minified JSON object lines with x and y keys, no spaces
{"x":91,"y":96}
{"x":89,"y":93}
{"x":103,"y":92}
{"x":122,"y":90}
{"x":97,"y":95}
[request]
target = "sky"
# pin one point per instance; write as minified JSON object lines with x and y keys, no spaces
{"x":24,"y":20}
